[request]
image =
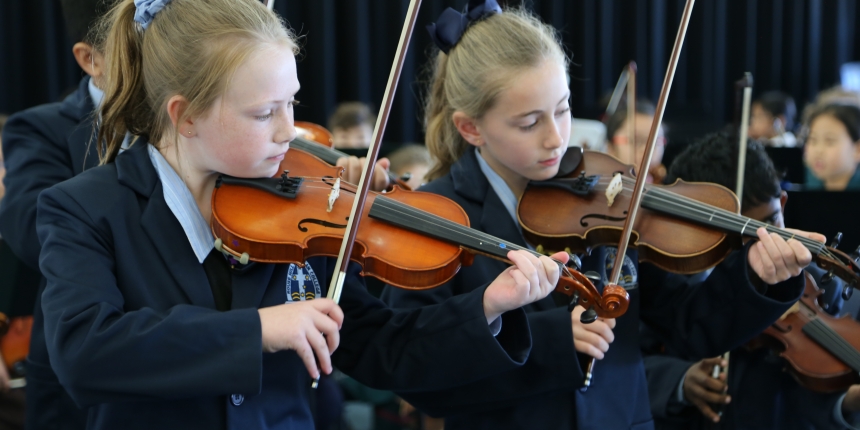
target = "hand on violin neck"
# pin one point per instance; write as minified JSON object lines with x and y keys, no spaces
{"x":591,"y":339}
{"x":353,"y":166}
{"x":703,"y":390}
{"x":774,"y":260}
{"x":305,"y":327}
{"x":528,"y":280}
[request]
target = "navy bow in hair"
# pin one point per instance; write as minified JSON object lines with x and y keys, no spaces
{"x":449,"y":28}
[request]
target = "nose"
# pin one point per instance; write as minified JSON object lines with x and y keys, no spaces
{"x":286,"y":131}
{"x":555,"y":138}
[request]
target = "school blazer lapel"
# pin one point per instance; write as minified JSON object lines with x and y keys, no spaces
{"x":470,"y":183}
{"x":135,"y":170}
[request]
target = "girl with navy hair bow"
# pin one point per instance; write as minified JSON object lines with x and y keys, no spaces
{"x":498,"y":116}
{"x":149,"y":325}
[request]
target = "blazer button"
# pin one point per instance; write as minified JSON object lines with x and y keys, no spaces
{"x":237,"y":399}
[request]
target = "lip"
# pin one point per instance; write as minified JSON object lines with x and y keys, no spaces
{"x":278,"y":157}
{"x":550,"y":161}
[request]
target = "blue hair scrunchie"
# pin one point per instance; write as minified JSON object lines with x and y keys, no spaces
{"x":146,"y":10}
{"x":451,"y":25}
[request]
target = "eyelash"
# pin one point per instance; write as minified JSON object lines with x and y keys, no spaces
{"x":532,"y":125}
{"x":269,"y":115}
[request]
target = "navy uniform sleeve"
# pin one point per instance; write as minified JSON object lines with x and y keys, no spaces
{"x":429,"y":348}
{"x":717,"y":315}
{"x":103,"y":353}
{"x":552,"y":364}
{"x":34,"y":161}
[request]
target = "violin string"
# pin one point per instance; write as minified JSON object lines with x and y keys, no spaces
{"x":833,"y":342}
{"x":445,"y":224}
{"x":732,"y":220}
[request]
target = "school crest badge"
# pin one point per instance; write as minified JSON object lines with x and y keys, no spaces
{"x":302,"y":284}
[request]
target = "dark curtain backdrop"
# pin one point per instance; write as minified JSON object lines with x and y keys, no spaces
{"x":348,"y":45}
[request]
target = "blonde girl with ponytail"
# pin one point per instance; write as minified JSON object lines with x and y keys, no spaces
{"x":498,"y":116}
{"x":152,"y":327}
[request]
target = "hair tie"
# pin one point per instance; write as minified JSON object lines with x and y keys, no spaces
{"x":451,"y":25}
{"x":146,"y":10}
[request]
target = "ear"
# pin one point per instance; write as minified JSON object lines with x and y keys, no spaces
{"x":783,"y":198}
{"x":83,"y":53}
{"x":176,"y":106}
{"x":779,"y":124}
{"x":468,"y":128}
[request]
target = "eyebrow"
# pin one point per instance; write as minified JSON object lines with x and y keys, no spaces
{"x":567,"y":96}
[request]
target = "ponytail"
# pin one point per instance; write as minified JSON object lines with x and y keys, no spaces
{"x":124,"y":109}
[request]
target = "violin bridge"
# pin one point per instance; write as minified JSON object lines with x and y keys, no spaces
{"x":613,"y":189}
{"x":333,"y":195}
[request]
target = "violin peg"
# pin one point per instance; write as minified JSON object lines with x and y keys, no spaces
{"x":827,"y":277}
{"x":574,"y":262}
{"x":847,"y":292}
{"x":593,"y":276}
{"x":588,"y":316}
{"x":574,"y":300}
{"x":836,"y":239}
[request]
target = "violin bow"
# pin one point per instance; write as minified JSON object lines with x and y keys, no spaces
{"x":745,"y":84}
{"x":645,"y":165}
{"x":270,"y":4}
{"x":615,"y":99}
{"x":631,"y":111}
{"x":336,"y":287}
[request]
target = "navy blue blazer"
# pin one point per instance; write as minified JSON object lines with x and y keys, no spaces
{"x":133,"y":332}
{"x":43,"y":146}
{"x":544,"y":393}
{"x":764,"y":395}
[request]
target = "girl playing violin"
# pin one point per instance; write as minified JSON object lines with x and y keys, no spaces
{"x":497,"y":117}
{"x":150,"y":326}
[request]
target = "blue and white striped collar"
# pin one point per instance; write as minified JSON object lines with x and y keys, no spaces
{"x":184,"y":207}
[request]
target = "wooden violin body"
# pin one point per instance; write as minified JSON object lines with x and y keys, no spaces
{"x":408,"y":239}
{"x":823,"y":352}
{"x":554,"y":216}
{"x":314,"y":132}
{"x":301,"y":228}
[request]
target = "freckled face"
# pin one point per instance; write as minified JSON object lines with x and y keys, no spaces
{"x":247,"y":131}
{"x":525,"y":133}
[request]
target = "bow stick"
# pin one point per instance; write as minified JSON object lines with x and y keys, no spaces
{"x":645,"y":165}
{"x":746,"y":84}
{"x":336,"y":286}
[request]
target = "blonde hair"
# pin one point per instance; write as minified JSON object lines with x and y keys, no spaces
{"x":191,"y":48}
{"x":490,"y":54}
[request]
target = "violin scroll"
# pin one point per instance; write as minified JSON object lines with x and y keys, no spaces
{"x":841,"y":265}
{"x":611,"y":304}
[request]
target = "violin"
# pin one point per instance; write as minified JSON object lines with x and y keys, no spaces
{"x":314,"y":133}
{"x":823,"y":351}
{"x":316,"y":140}
{"x":682,"y":228}
{"x":408,"y":239}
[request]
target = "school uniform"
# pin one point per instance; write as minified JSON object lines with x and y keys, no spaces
{"x":43,"y":146}
{"x":702,"y":320}
{"x":814,"y":184}
{"x":764,"y":395}
{"x":134,"y":333}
